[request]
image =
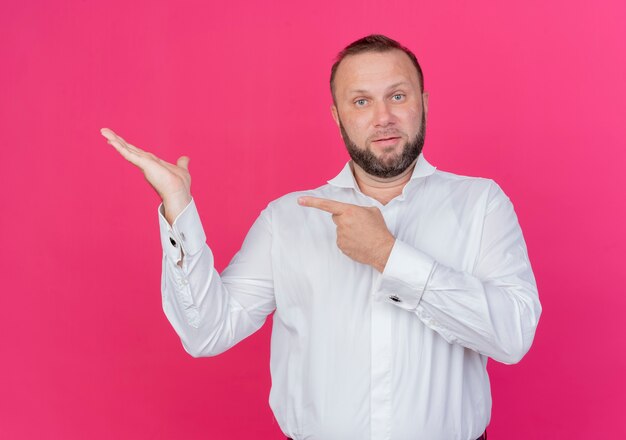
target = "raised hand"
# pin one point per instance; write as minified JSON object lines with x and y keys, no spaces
{"x":171,"y":182}
{"x":361,"y":231}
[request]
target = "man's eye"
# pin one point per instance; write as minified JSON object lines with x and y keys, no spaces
{"x":398,"y":97}
{"x":360,"y":102}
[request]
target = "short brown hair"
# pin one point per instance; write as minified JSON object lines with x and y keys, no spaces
{"x":373,"y":43}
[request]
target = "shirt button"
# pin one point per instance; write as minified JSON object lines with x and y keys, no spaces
{"x":173,"y":242}
{"x":395,"y":298}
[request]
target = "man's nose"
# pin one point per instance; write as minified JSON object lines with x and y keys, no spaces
{"x":383,"y":115}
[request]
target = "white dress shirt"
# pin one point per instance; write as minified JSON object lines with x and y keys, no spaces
{"x":356,"y":354}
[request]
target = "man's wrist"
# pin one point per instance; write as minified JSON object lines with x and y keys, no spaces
{"x":384,"y":252}
{"x":172,"y":207}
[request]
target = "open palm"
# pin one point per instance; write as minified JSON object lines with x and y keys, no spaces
{"x":171,"y":182}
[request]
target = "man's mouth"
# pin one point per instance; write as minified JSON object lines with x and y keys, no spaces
{"x":386,"y":139}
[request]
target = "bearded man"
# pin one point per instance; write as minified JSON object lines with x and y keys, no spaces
{"x":391,"y":285}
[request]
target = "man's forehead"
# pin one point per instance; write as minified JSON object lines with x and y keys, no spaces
{"x":363,"y":71}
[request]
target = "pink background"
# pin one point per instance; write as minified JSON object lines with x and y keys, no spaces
{"x":529,"y":93}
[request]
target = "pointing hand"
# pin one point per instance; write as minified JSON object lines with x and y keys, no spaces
{"x":171,"y":182}
{"x":361,"y":231}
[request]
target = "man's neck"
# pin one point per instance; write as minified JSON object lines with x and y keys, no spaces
{"x":378,"y":188}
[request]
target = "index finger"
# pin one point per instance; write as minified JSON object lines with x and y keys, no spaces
{"x":111,"y":136}
{"x":332,"y":206}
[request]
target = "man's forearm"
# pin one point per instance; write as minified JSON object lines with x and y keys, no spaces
{"x":209,"y":313}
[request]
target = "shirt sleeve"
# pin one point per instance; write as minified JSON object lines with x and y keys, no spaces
{"x":209,"y":312}
{"x":493,"y":310}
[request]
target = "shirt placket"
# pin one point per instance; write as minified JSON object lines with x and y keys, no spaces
{"x":381,"y":356}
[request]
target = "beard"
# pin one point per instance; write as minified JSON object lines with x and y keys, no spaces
{"x":386,"y":167}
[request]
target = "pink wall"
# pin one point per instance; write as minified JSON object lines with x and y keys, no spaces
{"x":529,"y":93}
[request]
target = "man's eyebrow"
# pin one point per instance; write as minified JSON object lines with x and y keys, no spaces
{"x":391,"y":87}
{"x":398,"y":84}
{"x":358,"y":92}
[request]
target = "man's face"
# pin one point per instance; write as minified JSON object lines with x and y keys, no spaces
{"x":380,"y":111}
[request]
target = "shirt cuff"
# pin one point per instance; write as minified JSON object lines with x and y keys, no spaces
{"x":185,"y":234}
{"x":405,"y":276}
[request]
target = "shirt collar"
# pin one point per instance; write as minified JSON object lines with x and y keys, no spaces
{"x":345,"y":179}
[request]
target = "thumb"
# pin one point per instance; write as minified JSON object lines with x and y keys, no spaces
{"x":183,"y":162}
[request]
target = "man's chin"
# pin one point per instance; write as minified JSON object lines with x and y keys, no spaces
{"x":389,"y":159}
{"x":380,"y":169}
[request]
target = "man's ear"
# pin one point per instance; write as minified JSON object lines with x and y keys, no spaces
{"x":335,"y":113}
{"x":425,"y":101}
